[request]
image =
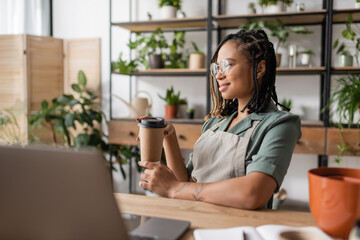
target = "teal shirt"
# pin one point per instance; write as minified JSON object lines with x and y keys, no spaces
{"x":271,"y":144}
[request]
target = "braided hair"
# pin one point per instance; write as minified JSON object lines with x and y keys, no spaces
{"x":255,"y":46}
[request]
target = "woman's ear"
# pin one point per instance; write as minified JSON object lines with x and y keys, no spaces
{"x":261,"y":69}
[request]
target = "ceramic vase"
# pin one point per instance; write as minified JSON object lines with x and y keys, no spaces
{"x":168,"y":12}
{"x":345,"y":61}
{"x":278,"y":7}
{"x":196,"y":61}
{"x":155,"y":61}
{"x":305,"y":59}
{"x":278,"y":59}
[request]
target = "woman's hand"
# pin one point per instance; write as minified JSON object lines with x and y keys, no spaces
{"x":158,"y":178}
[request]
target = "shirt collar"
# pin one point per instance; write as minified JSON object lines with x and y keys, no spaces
{"x":246,"y":123}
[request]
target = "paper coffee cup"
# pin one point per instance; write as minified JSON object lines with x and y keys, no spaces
{"x":151,"y":136}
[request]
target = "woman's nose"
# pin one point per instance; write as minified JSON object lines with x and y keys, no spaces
{"x":220,"y":75}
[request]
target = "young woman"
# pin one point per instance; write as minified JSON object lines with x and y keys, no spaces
{"x":245,"y":148}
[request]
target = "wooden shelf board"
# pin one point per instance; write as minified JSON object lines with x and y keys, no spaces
{"x":195,"y":121}
{"x":341,"y":15}
{"x":345,"y":70}
{"x":300,"y":70}
{"x":171,"y":72}
{"x":308,"y":123}
{"x":288,"y":18}
{"x":168,"y":24}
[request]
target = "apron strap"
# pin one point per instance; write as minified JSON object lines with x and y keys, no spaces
{"x":250,"y":130}
{"x":244,"y":142}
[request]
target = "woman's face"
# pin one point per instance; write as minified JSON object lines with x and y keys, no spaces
{"x":237,"y":83}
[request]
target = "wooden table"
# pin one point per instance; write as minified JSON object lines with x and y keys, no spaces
{"x":206,"y":215}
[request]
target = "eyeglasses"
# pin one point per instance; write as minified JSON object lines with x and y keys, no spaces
{"x":224,"y":68}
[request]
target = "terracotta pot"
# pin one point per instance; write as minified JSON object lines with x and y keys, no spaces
{"x":278,"y":59}
{"x":335,"y":199}
{"x":196,"y":61}
{"x":171,"y":111}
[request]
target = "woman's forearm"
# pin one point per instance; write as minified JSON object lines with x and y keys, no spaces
{"x":173,"y":157}
{"x":248,"y":192}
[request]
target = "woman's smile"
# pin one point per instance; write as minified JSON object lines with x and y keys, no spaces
{"x":223,"y":86}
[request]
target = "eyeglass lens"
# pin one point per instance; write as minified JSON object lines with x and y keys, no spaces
{"x":224,"y":68}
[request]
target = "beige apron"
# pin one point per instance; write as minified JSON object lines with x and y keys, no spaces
{"x":220,"y":155}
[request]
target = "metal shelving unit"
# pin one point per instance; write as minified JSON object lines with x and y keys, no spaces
{"x":325,"y":17}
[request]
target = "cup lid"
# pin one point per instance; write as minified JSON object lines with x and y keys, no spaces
{"x":155,"y":122}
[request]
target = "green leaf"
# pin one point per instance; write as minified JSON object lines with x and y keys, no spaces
{"x":73,"y":102}
{"x":82,"y":140}
{"x":336,"y":43}
{"x":76,"y":88}
{"x":349,"y":34}
{"x":44,"y":105}
{"x":63,"y":100}
{"x":59,"y":126}
{"x":82,"y":78}
{"x":69,"y":120}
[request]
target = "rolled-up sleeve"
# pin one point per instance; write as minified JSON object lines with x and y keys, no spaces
{"x":276,"y":148}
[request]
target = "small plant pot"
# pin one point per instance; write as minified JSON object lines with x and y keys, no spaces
{"x":345,"y":61}
{"x":168,"y":12}
{"x":278,"y":7}
{"x":171,"y":111}
{"x":190,"y":115}
{"x":156,"y":61}
{"x":357,"y":5}
{"x":251,"y":11}
{"x":278,"y":59}
{"x":305,"y":59}
{"x":196,"y":61}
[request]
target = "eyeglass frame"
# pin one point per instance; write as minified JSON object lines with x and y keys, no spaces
{"x":220,"y":68}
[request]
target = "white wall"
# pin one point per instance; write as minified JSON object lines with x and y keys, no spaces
{"x":90,"y":18}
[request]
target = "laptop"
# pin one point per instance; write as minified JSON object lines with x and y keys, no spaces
{"x":49,"y":193}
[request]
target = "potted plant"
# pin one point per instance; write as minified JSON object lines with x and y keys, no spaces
{"x":287,"y":103}
{"x":357,"y":4}
{"x":347,"y":98}
{"x":305,"y":57}
{"x":251,"y":8}
{"x":275,"y":6}
{"x":169,"y":8}
{"x":177,"y":58}
{"x":172,"y":103}
{"x":124,"y":67}
{"x":277,"y":30}
{"x":10,"y":130}
{"x":349,"y":33}
{"x":150,"y":49}
{"x":190,"y":113}
{"x":74,"y":120}
{"x":197,"y":58}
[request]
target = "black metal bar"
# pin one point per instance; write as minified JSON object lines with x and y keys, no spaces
{"x":323,"y":62}
{"x":322,"y":161}
{"x":209,"y":54}
{"x":220,"y":11}
{"x":51,"y":17}
{"x":158,"y":22}
{"x":110,"y":59}
{"x":328,"y":56}
{"x":173,"y":74}
{"x":130,"y":176}
{"x":110,"y":161}
{"x":171,"y":30}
